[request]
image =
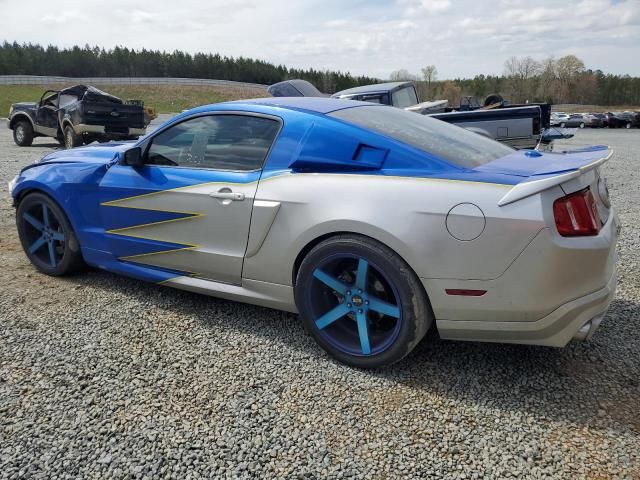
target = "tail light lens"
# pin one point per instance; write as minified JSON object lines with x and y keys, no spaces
{"x":576,"y":215}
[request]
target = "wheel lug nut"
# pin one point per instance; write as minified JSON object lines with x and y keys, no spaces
{"x":359,"y":291}
{"x":348,"y":305}
{"x":366,"y":302}
{"x":360,"y":311}
{"x":348,"y":292}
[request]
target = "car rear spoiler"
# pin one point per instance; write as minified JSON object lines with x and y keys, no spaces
{"x":531,"y":187}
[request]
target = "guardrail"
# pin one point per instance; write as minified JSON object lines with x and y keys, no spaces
{"x":45,"y":80}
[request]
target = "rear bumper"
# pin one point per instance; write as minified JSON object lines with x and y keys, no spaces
{"x":577,"y":319}
{"x":548,"y":294}
{"x":100,"y":129}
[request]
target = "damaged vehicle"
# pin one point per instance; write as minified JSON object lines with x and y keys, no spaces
{"x":375,"y":224}
{"x":76,"y":115}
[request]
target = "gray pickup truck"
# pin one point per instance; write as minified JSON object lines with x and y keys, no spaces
{"x":76,"y":115}
{"x":520,"y":126}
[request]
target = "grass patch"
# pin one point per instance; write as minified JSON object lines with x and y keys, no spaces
{"x":164,"y":98}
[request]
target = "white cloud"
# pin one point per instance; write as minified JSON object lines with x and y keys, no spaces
{"x":63,"y":17}
{"x":417,"y":7}
{"x":461,"y":37}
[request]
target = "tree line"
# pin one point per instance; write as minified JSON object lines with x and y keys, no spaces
{"x":552,"y":80}
{"x":87,"y":61}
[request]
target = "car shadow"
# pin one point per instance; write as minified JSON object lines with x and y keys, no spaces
{"x":40,"y":146}
{"x":576,"y":383}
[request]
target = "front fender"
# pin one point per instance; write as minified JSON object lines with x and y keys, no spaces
{"x":73,"y":186}
{"x":20,"y":115}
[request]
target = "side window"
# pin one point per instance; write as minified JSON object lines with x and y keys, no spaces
{"x":67,"y":99}
{"x":220,"y":142}
{"x":50,"y":101}
{"x":376,"y":98}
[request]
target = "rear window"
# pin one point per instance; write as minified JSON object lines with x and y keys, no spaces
{"x":405,"y":97}
{"x":448,"y":142}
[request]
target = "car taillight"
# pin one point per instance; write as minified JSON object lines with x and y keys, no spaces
{"x":576,"y":215}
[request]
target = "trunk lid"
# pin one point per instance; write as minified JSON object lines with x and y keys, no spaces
{"x":540,"y":171}
{"x":533,"y":163}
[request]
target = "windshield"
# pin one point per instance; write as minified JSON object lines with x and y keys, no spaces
{"x":448,"y":142}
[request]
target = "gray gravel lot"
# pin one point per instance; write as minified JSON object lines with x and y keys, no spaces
{"x":106,"y":377}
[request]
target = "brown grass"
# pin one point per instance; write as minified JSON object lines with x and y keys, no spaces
{"x":164,"y":98}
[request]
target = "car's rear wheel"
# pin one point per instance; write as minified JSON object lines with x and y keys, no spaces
{"x":361,"y":302}
{"x":23,"y":133}
{"x":46,"y":236}
{"x":582,"y":125}
{"x":71,"y":139}
{"x":627,"y":125}
{"x":562,"y":125}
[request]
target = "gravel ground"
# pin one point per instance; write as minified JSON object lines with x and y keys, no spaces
{"x":105,"y":377}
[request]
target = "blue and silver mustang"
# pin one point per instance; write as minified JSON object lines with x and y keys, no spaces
{"x":371,"y":222}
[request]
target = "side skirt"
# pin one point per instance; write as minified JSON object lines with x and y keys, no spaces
{"x":264,"y":294}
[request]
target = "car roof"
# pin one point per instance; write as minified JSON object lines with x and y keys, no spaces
{"x":313,"y":104}
{"x":378,"y":87}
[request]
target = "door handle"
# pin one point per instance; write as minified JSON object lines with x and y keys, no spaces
{"x":227,"y":195}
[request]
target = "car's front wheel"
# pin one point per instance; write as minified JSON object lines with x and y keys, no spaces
{"x":46,"y":236}
{"x":361,"y":302}
{"x":23,"y":133}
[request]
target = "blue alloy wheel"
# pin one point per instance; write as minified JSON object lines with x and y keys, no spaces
{"x":360,"y":301}
{"x":44,"y":234}
{"x":355,"y":306}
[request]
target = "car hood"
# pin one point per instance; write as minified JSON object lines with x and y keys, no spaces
{"x":532,"y":163}
{"x":99,"y":153}
{"x":24,"y":105}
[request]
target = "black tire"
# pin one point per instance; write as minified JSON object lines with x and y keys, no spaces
{"x":23,"y":133}
{"x":71,"y":139}
{"x":47,"y":236}
{"x":493,"y":98}
{"x":581,"y":125}
{"x":562,"y":125}
{"x":627,"y":125}
{"x":389,"y":337}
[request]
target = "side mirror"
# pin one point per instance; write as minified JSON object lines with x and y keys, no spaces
{"x":133,"y":157}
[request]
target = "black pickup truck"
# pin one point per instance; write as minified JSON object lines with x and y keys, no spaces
{"x":76,"y":115}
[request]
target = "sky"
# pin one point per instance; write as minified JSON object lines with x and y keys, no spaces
{"x":365,"y":37}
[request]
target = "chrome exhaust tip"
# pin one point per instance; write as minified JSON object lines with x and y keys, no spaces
{"x":588,"y":329}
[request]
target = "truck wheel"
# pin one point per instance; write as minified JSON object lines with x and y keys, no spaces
{"x":71,"y":140}
{"x":23,"y":134}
